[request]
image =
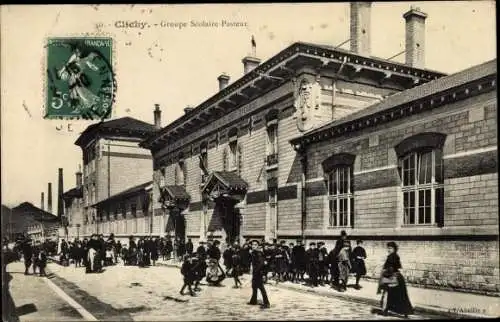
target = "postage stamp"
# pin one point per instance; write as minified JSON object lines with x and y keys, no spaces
{"x":80,"y":79}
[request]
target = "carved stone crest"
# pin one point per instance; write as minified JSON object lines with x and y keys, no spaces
{"x":307,"y":101}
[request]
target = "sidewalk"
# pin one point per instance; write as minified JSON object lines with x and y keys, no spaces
{"x":455,"y":304}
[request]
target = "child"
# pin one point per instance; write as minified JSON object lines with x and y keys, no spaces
{"x":236,"y":266}
{"x":187,"y":272}
{"x":359,"y":256}
{"x":344,"y":265}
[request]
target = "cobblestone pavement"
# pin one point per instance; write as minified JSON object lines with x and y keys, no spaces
{"x":153,"y":294}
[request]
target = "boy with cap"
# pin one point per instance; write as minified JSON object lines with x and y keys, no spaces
{"x":313,"y":264}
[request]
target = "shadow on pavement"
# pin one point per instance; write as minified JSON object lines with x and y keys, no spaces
{"x":26,"y":309}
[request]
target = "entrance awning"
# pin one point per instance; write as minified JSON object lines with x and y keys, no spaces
{"x":174,"y":196}
{"x":225,"y":184}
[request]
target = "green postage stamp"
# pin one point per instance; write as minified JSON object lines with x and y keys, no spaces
{"x":80,"y":78}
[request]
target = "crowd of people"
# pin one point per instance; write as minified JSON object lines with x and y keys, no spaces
{"x":265,"y":261}
{"x":313,"y":266}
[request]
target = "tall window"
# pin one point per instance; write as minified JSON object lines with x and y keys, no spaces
{"x":133,"y":210}
{"x":233,"y":155}
{"x":272,"y":144}
{"x":340,"y":196}
{"x":180,"y":173}
{"x":422,"y":185}
{"x":204,"y":162}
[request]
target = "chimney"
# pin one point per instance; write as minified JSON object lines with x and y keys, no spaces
{"x":415,"y":37}
{"x":49,"y":198}
{"x":361,"y":27}
{"x":79,"y":177}
{"x":157,"y":116}
{"x":223,"y":81}
{"x":188,"y":109}
{"x":249,"y":63}
{"x":60,"y":191}
{"x":42,"y":202}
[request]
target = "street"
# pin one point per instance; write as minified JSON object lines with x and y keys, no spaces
{"x":130,"y":293}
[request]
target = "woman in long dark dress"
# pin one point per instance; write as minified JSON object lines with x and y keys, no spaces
{"x":393,"y":286}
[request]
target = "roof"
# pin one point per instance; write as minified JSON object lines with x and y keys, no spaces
{"x":231,"y":180}
{"x":413,"y":94}
{"x":126,"y":193}
{"x":297,"y":47}
{"x":27,"y":208}
{"x":73,"y":193}
{"x":125,"y":126}
{"x":177,"y":192}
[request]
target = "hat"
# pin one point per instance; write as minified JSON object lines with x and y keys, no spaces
{"x":343,"y":233}
{"x":393,"y":245}
{"x":283,"y":242}
{"x":312,"y":243}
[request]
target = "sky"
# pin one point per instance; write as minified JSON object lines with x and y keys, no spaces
{"x":179,"y":67}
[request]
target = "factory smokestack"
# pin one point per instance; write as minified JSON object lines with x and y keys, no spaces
{"x":42,"y":202}
{"x":49,"y":198}
{"x":60,"y":191}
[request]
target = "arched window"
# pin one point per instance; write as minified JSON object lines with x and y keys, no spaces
{"x":338,"y":170}
{"x":422,"y":178}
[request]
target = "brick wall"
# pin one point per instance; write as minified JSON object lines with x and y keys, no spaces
{"x":432,"y":256}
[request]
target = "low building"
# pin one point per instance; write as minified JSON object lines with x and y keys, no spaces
{"x":419,"y":168}
{"x":127,"y":213}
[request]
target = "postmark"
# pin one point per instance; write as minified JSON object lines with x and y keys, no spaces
{"x":80,"y":79}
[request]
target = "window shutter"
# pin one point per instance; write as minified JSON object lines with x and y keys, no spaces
{"x":176,"y":175}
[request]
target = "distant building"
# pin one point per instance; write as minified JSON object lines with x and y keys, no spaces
{"x":35,"y":222}
{"x":112,"y":163}
{"x":73,"y":206}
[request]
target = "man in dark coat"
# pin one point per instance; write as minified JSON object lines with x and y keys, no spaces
{"x":102,"y":250}
{"x":27,"y":250}
{"x":189,"y":247}
{"x":227,"y":257}
{"x":299,"y":258}
{"x":257,"y":276}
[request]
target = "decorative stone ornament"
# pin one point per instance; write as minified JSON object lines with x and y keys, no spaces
{"x":307,"y":96}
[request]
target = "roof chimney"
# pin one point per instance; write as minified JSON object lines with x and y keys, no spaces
{"x":49,"y":198}
{"x":60,"y":191}
{"x":361,"y":27}
{"x":188,"y":109}
{"x":79,"y":177}
{"x":223,"y":81}
{"x":415,"y":37}
{"x":42,"y":202}
{"x":251,"y":61}
{"x":157,"y":116}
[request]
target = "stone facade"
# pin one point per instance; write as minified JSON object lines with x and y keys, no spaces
{"x":296,"y":97}
{"x":459,"y":248}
